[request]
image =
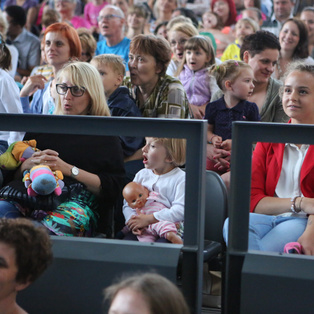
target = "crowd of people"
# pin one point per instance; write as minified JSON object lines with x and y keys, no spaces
{"x":221,"y":60}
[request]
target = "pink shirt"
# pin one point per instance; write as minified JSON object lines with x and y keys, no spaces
{"x":78,"y":22}
{"x":91,"y":12}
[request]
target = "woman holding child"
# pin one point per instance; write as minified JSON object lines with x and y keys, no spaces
{"x":282,"y":197}
{"x":92,"y":166}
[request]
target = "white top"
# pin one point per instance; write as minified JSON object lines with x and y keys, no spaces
{"x":171,"y":189}
{"x":289,"y":181}
{"x":9,"y":103}
{"x":14,"y":59}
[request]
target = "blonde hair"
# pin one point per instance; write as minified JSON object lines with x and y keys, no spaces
{"x":177,"y":20}
{"x":85,"y":75}
{"x":227,"y":71}
{"x":4,"y":24}
{"x":196,"y":43}
{"x":185,"y":28}
{"x":175,"y":147}
{"x":88,"y":41}
{"x":250,"y":21}
{"x":115,"y":62}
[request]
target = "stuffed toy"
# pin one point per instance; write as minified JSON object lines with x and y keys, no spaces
{"x":41,"y":180}
{"x":17,"y":153}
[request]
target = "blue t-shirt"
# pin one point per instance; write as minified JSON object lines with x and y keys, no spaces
{"x":219,"y":115}
{"x":121,"y":49}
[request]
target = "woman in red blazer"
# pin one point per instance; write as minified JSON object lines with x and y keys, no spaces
{"x":282,"y":187}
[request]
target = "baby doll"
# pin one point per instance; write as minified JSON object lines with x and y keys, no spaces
{"x":138,"y":197}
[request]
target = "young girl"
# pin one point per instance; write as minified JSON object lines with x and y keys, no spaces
{"x":91,"y":12}
{"x":235,"y":79}
{"x":161,"y":158}
{"x":193,"y":73}
{"x":244,"y":27}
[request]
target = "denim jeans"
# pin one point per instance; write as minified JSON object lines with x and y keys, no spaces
{"x":271,"y":233}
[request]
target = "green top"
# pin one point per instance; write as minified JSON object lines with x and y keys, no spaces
{"x":167,"y":100}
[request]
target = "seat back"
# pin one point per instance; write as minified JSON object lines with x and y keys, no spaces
{"x":216,"y":205}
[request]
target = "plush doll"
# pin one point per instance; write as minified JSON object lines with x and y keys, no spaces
{"x":17,"y":153}
{"x":41,"y":180}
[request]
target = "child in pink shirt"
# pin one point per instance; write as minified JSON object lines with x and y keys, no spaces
{"x":91,"y":12}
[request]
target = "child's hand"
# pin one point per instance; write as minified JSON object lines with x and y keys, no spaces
{"x":141,"y":220}
{"x":217,"y":141}
{"x":137,"y":231}
{"x":226,"y":145}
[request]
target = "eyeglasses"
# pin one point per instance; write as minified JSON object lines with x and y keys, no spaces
{"x":75,"y":90}
{"x":108,"y":17}
{"x":179,"y":43}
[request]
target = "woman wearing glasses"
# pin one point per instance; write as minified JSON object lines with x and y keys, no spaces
{"x":61,"y":44}
{"x":92,"y":165}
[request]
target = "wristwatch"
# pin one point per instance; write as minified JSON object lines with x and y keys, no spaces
{"x":74,"y":172}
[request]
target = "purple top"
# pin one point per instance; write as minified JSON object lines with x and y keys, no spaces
{"x":26,"y":5}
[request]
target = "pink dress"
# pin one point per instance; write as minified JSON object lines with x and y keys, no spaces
{"x":78,"y":22}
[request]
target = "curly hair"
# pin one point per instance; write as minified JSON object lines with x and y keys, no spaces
{"x":32,"y":247}
{"x":302,"y":49}
{"x":258,"y":42}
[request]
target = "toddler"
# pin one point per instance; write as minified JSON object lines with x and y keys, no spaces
{"x":244,"y":27}
{"x":193,"y":73}
{"x":235,"y":79}
{"x":162,"y":175}
{"x":111,"y":69}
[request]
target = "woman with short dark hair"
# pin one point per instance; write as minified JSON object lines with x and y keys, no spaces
{"x":156,"y":94}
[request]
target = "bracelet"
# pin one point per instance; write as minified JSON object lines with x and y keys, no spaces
{"x":208,"y":142}
{"x":293,"y":208}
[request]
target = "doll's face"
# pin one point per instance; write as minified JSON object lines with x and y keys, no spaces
{"x":135,"y":195}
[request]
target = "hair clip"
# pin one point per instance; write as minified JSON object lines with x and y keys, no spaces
{"x":217,"y":67}
{"x":236,"y":63}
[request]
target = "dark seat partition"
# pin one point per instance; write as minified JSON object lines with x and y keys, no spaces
{"x":259,"y":282}
{"x":83,"y":267}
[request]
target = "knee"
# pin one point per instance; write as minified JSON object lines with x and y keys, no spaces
{"x":8,"y":210}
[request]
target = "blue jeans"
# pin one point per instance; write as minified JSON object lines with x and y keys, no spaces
{"x":271,"y":233}
{"x":8,"y":210}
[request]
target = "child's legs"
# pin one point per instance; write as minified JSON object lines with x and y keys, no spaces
{"x":163,"y":227}
{"x":9,"y":210}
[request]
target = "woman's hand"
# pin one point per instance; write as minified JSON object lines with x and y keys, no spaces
{"x":32,"y":85}
{"x":198,"y":111}
{"x":140,"y":220}
{"x":47,"y":157}
{"x":307,"y":238}
{"x":219,"y":156}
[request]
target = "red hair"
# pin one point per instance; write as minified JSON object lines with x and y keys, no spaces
{"x":232,"y":14}
{"x":70,"y":34}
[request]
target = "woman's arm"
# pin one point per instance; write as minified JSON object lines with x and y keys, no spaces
{"x":50,"y":158}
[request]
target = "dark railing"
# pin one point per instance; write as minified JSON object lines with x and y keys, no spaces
{"x":262,"y":282}
{"x":192,"y":263}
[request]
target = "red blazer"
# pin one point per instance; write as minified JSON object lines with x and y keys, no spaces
{"x":266,"y":169}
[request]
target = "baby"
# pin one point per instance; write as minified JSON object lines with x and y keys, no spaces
{"x":138,"y":197}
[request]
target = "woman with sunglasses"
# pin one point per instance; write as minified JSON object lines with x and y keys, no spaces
{"x":61,"y":44}
{"x":92,"y":165}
